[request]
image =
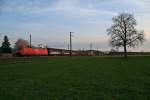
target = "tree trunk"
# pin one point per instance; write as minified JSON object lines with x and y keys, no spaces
{"x":125,"y":43}
{"x":125,"y":51}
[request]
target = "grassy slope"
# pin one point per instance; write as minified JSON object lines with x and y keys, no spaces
{"x":79,"y":78}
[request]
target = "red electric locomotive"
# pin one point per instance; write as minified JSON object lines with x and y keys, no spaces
{"x":26,"y":51}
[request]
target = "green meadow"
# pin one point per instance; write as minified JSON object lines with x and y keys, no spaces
{"x":75,"y":78}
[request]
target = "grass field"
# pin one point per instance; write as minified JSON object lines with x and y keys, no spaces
{"x":77,"y":78}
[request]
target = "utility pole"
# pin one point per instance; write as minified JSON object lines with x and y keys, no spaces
{"x":71,"y":44}
{"x":30,"y":40}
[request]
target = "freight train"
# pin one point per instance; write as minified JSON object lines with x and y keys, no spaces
{"x":29,"y":51}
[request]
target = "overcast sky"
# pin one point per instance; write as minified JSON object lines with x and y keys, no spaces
{"x":50,"y":21}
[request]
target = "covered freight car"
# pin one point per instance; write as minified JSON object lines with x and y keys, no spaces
{"x":26,"y":51}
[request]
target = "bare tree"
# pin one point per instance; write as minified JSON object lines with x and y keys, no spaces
{"x":123,"y":32}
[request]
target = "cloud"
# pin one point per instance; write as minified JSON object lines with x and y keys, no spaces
{"x":74,"y":8}
{"x":71,"y":8}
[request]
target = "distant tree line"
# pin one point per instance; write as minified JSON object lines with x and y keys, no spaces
{"x":128,"y":53}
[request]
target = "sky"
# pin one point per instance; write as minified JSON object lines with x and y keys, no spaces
{"x":50,"y":21}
